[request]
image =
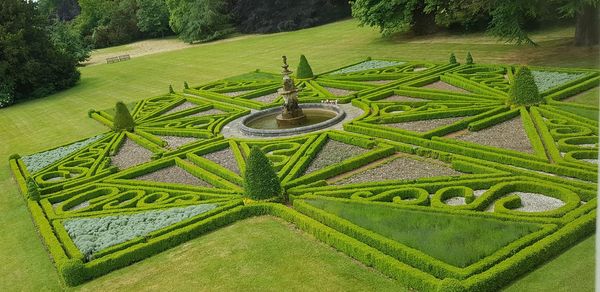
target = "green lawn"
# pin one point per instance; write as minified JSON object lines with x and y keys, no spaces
{"x":61,"y":118}
{"x":258,"y":254}
{"x":470,"y":239}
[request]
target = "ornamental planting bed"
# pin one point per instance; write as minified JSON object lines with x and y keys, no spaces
{"x":376,"y":190}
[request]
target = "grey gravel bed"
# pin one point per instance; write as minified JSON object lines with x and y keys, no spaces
{"x":339,"y":91}
{"x":400,"y":168}
{"x":184,"y":106}
{"x":334,"y":152}
{"x":130,"y":154}
{"x":269,"y":98}
{"x":441,"y":85}
{"x":174,"y":174}
{"x":224,"y":158}
{"x":396,"y":97}
{"x":236,"y":93}
{"x":456,"y":201}
{"x":175,"y":142}
{"x":425,"y":125}
{"x":509,"y":135}
{"x":532,"y":202}
{"x":593,"y":161}
{"x":209,"y":112}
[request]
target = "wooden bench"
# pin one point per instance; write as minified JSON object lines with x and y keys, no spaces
{"x":117,"y":59}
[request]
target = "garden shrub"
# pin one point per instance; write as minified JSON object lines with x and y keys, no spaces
{"x":123,"y":119}
{"x":452,"y":59}
{"x":524,"y":91}
{"x":33,"y":191}
{"x":261,"y":181}
{"x":72,"y":271}
{"x":304,"y":71}
{"x":469,"y":58}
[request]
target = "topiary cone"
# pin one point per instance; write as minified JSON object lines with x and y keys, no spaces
{"x":123,"y":119}
{"x":469,"y":58}
{"x":304,"y":71}
{"x":261,"y":180}
{"x":523,"y":90}
{"x":452,"y":59}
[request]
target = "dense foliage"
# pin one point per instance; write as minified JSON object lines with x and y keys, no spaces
{"x":524,"y":91}
{"x":507,"y":20}
{"x":199,"y":20}
{"x":304,"y":70}
{"x":264,"y":16}
{"x":260,"y":176}
{"x":31,"y":64}
{"x":123,"y":119}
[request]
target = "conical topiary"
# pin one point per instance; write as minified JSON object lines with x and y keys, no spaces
{"x":469,"y":58}
{"x":185,"y":85}
{"x":452,"y":58}
{"x":261,"y":181}
{"x":523,"y":90}
{"x":123,"y":119}
{"x":171,"y":89}
{"x":304,"y":71}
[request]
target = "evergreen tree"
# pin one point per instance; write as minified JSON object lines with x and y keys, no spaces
{"x":304,"y":70}
{"x":261,"y":181}
{"x":524,"y":91}
{"x":123,"y":119}
{"x":469,"y":58}
{"x":453,"y":59}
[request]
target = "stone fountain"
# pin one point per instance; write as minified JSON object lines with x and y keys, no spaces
{"x":291,"y":113}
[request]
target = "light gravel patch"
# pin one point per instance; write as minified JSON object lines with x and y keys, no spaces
{"x":207,"y":113}
{"x":236,"y":93}
{"x":441,"y":85}
{"x":269,"y":98}
{"x":339,"y":91}
{"x":334,"y":152}
{"x":175,"y":175}
{"x":184,"y":106}
{"x":224,"y":158}
{"x":455,"y":201}
{"x":508,"y":135}
{"x":532,"y":202}
{"x":174,"y":142}
{"x":425,"y":125}
{"x":130,"y":154}
{"x":404,"y":168}
{"x":419,"y":69}
{"x":593,"y":161}
{"x":401,"y":98}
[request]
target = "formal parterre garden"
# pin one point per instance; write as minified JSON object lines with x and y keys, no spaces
{"x":445,"y":182}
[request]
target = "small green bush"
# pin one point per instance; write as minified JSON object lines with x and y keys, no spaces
{"x":304,"y":71}
{"x":171,"y":89}
{"x":14,"y":156}
{"x":72,"y":271}
{"x":524,"y":91}
{"x":453,"y":59}
{"x":261,"y":181}
{"x":33,"y":191}
{"x":185,"y":85}
{"x":469,"y":58}
{"x":123,"y":119}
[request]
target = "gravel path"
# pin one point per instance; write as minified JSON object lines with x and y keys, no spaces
{"x":269,"y":98}
{"x":174,"y":174}
{"x":509,"y":135}
{"x":402,"y":98}
{"x":224,"y":158}
{"x":593,"y":161}
{"x":209,"y":112}
{"x":175,"y":142}
{"x":236,"y":93}
{"x":400,"y":168}
{"x":339,"y":91}
{"x":456,"y":201}
{"x":184,"y":106}
{"x":425,"y":125}
{"x":334,"y":152}
{"x":130,"y":154}
{"x":441,"y":85}
{"x":532,"y":202}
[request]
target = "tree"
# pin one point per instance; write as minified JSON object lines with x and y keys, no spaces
{"x":68,"y":40}
{"x":507,"y":19}
{"x":153,"y":17}
{"x":30,"y":64}
{"x":304,"y":71}
{"x":261,"y":181}
{"x":524,"y":91}
{"x":63,"y":10}
{"x":105,"y":23}
{"x":123,"y":119}
{"x":452,"y":59}
{"x":469,"y":58}
{"x":199,"y":20}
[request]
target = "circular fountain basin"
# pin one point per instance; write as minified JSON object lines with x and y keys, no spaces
{"x":318,"y":116}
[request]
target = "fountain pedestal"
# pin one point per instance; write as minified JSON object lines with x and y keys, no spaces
{"x":291,"y":113}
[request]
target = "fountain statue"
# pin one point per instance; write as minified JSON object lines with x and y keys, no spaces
{"x":291,"y":113}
